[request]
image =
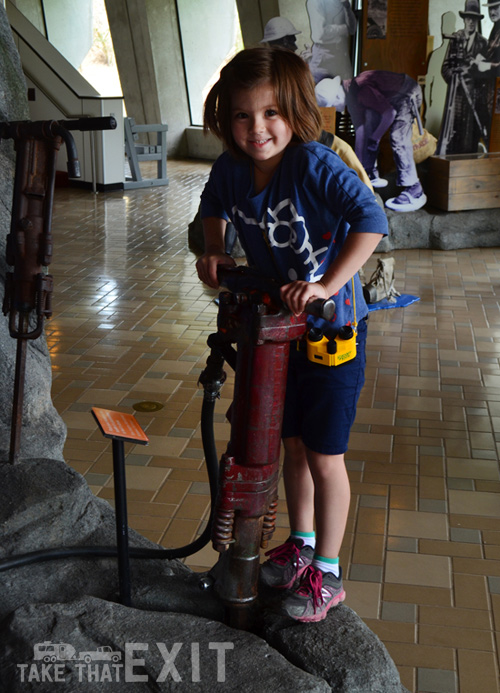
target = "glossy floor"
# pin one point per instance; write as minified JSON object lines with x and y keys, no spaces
{"x":422,"y":550}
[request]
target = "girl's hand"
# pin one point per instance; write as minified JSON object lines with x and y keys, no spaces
{"x":298,"y":294}
{"x":206,"y":266}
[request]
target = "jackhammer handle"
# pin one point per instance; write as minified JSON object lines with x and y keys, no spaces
{"x":83,"y":124}
{"x":242,"y":278}
{"x":321,"y":308}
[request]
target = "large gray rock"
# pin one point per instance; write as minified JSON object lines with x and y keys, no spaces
{"x":43,"y":431}
{"x":172,"y":652}
{"x":471,"y":229}
{"x":341,"y":649}
{"x":431,"y":228}
{"x":46,"y":505}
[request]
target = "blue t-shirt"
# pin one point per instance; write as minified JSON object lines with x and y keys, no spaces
{"x":296,"y":226}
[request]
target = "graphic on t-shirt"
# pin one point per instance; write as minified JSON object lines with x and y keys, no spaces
{"x":286,"y":228}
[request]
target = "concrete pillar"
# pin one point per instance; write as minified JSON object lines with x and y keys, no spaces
{"x":169,"y":71}
{"x":149,"y":60}
{"x":128,"y":23}
{"x":254,"y":15}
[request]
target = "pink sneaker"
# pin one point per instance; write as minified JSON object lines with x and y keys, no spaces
{"x":314,"y":596}
{"x":286,"y":564}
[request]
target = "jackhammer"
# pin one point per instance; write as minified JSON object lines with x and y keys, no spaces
{"x":252,"y":315}
{"x":28,"y":288}
{"x":243,"y":487}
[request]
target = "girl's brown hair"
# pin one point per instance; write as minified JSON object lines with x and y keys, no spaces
{"x":290,"y":79}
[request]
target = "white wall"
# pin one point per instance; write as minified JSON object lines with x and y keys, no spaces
{"x":62,"y":93}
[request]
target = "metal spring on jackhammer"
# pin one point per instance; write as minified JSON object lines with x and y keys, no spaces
{"x":222,"y":533}
{"x":269,"y":524}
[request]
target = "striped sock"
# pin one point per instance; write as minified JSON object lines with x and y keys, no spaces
{"x":326,"y":565}
{"x":309,"y":538}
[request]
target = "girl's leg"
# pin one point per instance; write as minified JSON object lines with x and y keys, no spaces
{"x":287,"y":562}
{"x":332,"y":495}
{"x":299,"y":486}
{"x":320,"y":586}
{"x":317,"y":487}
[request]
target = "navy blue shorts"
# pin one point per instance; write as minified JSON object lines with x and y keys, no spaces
{"x":320,"y":401}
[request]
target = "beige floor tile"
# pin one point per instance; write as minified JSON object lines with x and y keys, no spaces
{"x":371,"y":520}
{"x":143,"y":478}
{"x":474,"y":503}
{"x":363,"y":598}
{"x":473,"y":469}
{"x":455,"y":617}
{"x":471,"y":591}
{"x":417,"y":404}
{"x":391,"y":631}
{"x":403,"y":498}
{"x":450,"y":548}
{"x":478,"y":671}
{"x":180,"y":533}
{"x":427,"y":656}
{"x":476,"y":567}
{"x":162,"y":446}
{"x":415,"y":594}
{"x":205,"y":558}
{"x":407,"y":523}
{"x":458,"y":638}
{"x":415,"y":569}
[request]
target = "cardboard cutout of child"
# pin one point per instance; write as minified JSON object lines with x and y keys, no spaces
{"x":377,"y":101}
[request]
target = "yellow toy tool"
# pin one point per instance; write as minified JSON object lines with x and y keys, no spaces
{"x":333,"y":351}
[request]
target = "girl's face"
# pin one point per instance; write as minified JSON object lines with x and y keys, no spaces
{"x":257,"y":126}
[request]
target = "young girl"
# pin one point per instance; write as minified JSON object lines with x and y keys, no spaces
{"x":304,"y":218}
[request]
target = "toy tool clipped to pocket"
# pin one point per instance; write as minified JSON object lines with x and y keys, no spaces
{"x":331,"y":351}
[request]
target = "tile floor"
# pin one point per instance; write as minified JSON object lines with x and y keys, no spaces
{"x":422,"y":549}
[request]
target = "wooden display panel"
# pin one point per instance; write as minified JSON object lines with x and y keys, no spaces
{"x":494,"y":144}
{"x":328,"y":114}
{"x":394,"y":36}
{"x":464,"y":181}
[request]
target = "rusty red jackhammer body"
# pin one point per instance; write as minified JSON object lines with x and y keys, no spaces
{"x":246,"y":506}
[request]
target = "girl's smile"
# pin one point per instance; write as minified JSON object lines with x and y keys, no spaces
{"x":258,"y":128}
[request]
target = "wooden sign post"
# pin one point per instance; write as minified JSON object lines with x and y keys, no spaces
{"x":120,"y":427}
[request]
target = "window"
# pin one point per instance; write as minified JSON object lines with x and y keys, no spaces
{"x":210,"y":35}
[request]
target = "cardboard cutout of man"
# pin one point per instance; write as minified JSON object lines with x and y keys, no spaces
{"x":279,"y":31}
{"x":377,"y":101}
{"x":435,"y":87}
{"x":466,"y":113}
{"x":493,"y":48}
{"x":332,"y":24}
{"x":489,"y":63}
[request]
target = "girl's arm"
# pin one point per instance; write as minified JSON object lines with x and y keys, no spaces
{"x":214,"y":230}
{"x":356,"y":250}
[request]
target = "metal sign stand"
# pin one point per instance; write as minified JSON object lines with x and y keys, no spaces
{"x":120,"y":428}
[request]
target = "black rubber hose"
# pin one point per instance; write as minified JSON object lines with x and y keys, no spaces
{"x":212,"y":462}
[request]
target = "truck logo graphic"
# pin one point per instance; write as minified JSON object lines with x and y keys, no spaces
{"x":62,"y":652}
{"x":104,"y":653}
